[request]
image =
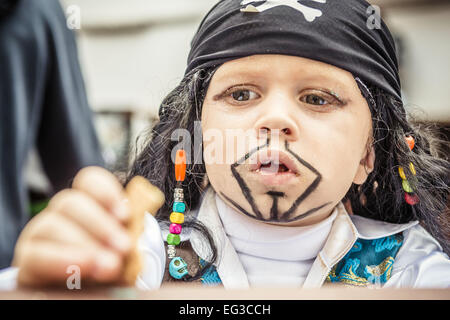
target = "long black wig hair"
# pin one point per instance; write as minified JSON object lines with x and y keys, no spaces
{"x":380,"y":197}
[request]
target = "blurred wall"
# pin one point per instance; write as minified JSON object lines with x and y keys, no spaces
{"x":424,"y":32}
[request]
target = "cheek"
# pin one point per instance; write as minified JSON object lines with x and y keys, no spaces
{"x":218,"y":168}
{"x":216,"y":155}
{"x":336,"y":149}
{"x":227,"y":136}
{"x":217,"y":176}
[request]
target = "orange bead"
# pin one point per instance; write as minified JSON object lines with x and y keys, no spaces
{"x":180,"y":165}
{"x":410,"y":141}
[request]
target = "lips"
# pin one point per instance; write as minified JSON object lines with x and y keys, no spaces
{"x":273,"y":162}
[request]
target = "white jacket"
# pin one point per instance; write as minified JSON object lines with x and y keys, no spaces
{"x":420,"y":262}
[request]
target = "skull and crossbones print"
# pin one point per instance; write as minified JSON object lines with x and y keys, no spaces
{"x":309,"y":13}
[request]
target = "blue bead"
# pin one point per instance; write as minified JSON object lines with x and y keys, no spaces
{"x":178,"y":268}
{"x":179,"y":207}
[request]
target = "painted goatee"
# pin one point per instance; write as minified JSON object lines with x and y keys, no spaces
{"x":278,"y":213}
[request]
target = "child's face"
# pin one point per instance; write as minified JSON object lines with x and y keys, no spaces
{"x":303,"y":131}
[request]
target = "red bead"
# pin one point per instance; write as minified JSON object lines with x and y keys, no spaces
{"x":175,"y":228}
{"x":411,"y":198}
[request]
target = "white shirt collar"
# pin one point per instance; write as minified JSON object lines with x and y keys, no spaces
{"x":374,"y":229}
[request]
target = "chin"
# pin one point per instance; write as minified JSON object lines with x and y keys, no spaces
{"x":274,"y":207}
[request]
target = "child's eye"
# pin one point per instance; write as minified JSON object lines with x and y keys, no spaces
{"x":321,"y":99}
{"x":243,"y":95}
{"x":239,"y":95}
{"x":314,"y":99}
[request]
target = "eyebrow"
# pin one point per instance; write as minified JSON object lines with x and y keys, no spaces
{"x":243,"y":77}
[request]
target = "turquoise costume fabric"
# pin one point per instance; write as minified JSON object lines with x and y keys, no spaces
{"x":369,"y":262}
{"x":210,"y":277}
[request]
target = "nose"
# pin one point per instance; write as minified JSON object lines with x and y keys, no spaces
{"x":280,"y":122}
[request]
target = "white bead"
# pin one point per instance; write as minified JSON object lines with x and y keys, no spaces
{"x":171,"y":251}
{"x":178,"y":199}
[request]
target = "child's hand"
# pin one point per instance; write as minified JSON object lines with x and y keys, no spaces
{"x":81,"y":226}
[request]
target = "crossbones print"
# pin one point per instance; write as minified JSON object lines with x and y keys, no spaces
{"x":309,"y":13}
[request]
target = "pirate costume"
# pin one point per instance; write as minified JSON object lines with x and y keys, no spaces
{"x":343,"y":249}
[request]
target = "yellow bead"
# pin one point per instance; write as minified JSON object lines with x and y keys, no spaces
{"x":402,"y":173}
{"x":412,"y":169}
{"x":406,"y":186}
{"x":177,"y":217}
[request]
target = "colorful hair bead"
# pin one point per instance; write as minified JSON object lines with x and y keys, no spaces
{"x":178,"y":192}
{"x":178,"y":268}
{"x":410,"y":142}
{"x":406,"y":186}
{"x":411,"y":199}
{"x":412,"y":169}
{"x":173,"y":239}
{"x":401,"y":172}
{"x":177,"y":217}
{"x":179,"y":207}
{"x":178,"y":195}
{"x":180,"y":165}
{"x":175,"y":228}
{"x":171,"y":251}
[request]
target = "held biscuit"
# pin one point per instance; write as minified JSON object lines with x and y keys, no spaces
{"x":143,"y":197}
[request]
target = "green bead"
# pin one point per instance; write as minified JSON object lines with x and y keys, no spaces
{"x":173,"y":239}
{"x":406,"y":186}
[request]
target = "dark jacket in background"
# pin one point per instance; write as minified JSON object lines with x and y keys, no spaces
{"x":42,"y":104}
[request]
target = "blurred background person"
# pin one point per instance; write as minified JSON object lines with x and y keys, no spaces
{"x":43,"y":106}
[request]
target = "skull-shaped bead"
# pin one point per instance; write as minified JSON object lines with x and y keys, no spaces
{"x":178,"y":268}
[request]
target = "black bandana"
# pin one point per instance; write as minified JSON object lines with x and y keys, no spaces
{"x":332,"y":31}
